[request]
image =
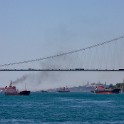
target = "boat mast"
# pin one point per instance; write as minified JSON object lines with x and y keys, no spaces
{"x":25,"y":86}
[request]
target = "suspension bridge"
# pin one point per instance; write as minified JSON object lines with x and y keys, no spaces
{"x":103,"y":56}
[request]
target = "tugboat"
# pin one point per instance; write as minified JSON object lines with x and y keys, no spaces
{"x":101,"y":90}
{"x":64,"y":89}
{"x":11,"y":90}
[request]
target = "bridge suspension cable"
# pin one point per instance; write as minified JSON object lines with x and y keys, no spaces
{"x":65,"y":53}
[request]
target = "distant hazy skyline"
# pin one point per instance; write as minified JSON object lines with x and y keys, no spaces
{"x":32,"y":29}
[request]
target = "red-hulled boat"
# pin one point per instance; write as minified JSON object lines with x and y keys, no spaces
{"x":101,"y":90}
{"x":11,"y":90}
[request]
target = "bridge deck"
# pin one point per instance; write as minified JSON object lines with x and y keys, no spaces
{"x":61,"y":69}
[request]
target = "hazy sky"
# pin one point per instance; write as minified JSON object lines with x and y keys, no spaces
{"x":32,"y":29}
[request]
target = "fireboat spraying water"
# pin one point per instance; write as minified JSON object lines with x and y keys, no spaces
{"x":11,"y":90}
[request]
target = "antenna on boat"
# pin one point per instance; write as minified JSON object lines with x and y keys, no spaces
{"x":10,"y":83}
{"x":105,"y":84}
{"x":25,"y":86}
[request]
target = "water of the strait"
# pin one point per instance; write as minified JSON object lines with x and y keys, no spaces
{"x":62,"y":108}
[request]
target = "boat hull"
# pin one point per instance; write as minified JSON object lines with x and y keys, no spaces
{"x":114,"y":91}
{"x":8,"y":93}
{"x":24,"y":93}
{"x":63,"y":91}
